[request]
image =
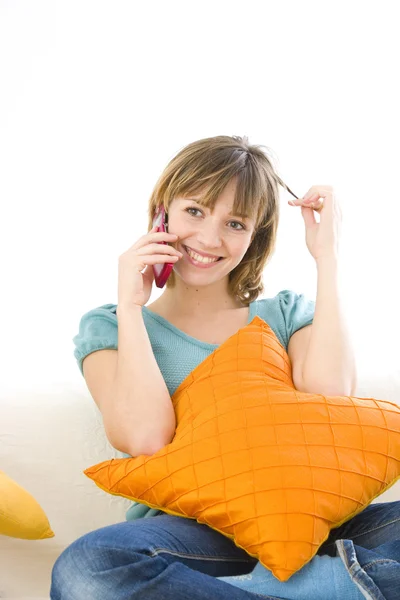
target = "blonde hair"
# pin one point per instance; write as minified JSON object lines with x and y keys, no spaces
{"x":209,"y":164}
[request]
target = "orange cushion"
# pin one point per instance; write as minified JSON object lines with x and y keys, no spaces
{"x":270,"y":467}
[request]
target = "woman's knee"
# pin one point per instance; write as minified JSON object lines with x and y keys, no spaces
{"x":85,"y":568}
{"x":71,"y":573}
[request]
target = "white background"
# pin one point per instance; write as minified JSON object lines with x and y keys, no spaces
{"x":96,"y":97}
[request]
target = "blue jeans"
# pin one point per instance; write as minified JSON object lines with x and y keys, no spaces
{"x":175,"y":558}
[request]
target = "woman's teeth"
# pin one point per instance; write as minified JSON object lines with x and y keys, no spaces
{"x":199,"y":258}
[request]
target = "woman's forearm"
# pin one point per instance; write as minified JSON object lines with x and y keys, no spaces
{"x":329,"y":367}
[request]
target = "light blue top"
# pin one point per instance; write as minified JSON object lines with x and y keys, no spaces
{"x":177,"y":353}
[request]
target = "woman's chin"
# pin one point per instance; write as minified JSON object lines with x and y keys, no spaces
{"x":193,"y":276}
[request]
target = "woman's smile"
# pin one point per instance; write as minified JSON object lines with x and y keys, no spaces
{"x":198,"y":261}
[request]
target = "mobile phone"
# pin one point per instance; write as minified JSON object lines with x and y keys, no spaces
{"x":161,"y":270}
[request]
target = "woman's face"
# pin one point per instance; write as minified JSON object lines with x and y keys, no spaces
{"x":219,"y":234}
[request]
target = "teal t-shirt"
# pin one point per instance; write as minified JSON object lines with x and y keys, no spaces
{"x":177,"y":353}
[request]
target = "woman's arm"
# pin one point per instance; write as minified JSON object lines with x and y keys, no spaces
{"x":329,"y":367}
{"x":140,"y":412}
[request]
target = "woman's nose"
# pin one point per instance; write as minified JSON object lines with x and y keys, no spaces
{"x":209,"y":238}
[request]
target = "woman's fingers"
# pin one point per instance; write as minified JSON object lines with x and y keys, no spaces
{"x":313,"y":202}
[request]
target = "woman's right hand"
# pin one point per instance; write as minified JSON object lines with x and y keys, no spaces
{"x":134,"y":286}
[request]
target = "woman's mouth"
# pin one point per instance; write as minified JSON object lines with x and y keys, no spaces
{"x":199,"y":261}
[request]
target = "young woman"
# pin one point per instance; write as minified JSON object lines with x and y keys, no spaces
{"x":221,"y":196}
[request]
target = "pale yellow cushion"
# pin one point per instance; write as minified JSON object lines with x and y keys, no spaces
{"x":20,"y":515}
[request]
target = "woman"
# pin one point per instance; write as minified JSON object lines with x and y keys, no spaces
{"x":221,"y":196}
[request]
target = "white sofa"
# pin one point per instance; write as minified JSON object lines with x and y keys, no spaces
{"x":48,"y":436}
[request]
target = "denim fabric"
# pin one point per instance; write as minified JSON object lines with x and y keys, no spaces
{"x":376,"y":572}
{"x":368,"y":568}
{"x":174,"y":558}
{"x":369,"y":546}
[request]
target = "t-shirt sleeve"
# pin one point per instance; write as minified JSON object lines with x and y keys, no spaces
{"x":98,"y":330}
{"x":297,"y":312}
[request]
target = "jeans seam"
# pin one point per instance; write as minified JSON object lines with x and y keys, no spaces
{"x":353,"y":537}
{"x":157,"y":551}
{"x":380,"y":560}
{"x":374,"y":528}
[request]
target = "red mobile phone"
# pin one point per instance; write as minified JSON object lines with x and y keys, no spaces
{"x":161,"y":270}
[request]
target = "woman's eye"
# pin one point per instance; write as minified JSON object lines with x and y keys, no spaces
{"x":190,"y":208}
{"x":237,"y":222}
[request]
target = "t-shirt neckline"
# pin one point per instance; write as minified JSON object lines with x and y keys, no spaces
{"x":185,"y":336}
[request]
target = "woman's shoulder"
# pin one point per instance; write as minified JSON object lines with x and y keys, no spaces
{"x":282,"y":300}
{"x":97,"y":331}
{"x":103,"y":311}
{"x":286,"y":312}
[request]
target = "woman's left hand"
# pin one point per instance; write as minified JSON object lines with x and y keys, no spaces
{"x":322,"y":238}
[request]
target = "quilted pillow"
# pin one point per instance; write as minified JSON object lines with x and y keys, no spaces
{"x":270,"y":467}
{"x":20,"y":515}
